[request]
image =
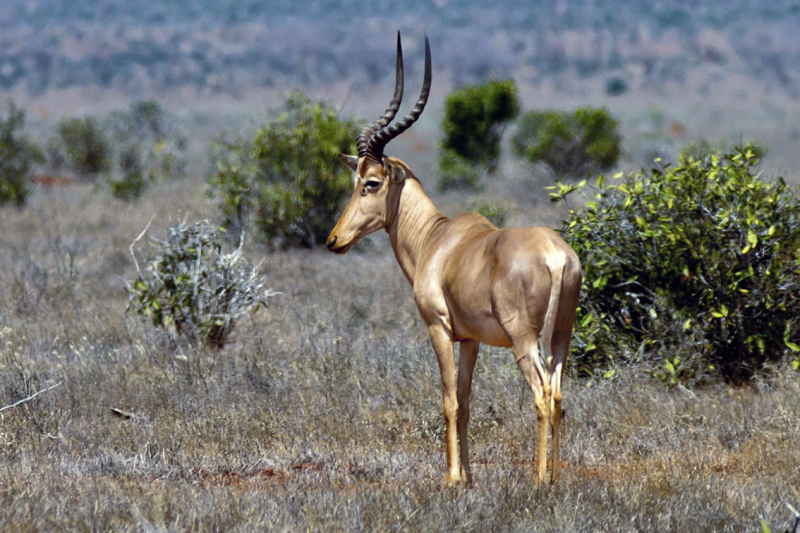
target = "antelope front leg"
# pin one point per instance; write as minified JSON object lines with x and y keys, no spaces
{"x":468,"y":354}
{"x":443,"y":346}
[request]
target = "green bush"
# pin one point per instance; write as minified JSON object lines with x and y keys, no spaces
{"x":572,"y":144}
{"x":17,"y":156}
{"x":195,"y":286}
{"x":287,"y":180}
{"x":694,"y":270}
{"x":473,"y":124}
{"x":148,"y":148}
{"x":474,"y":119}
{"x":130,"y":148}
{"x":130,"y":186}
{"x":496,"y":214}
{"x":456,"y":172}
{"x":702,"y":148}
{"x":87,"y":149}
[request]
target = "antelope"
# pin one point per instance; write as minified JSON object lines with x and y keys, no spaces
{"x":472,"y":282}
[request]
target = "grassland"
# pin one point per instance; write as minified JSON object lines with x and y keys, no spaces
{"x":324,"y":414}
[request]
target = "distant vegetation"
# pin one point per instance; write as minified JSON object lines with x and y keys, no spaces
{"x":130,"y":149}
{"x":287,"y":181}
{"x":86,"y":148}
{"x":149,"y":147}
{"x":493,"y":211}
{"x":17,"y":157}
{"x":571,"y":144}
{"x":694,"y":271}
{"x":229,"y":46}
{"x":475,"y":117}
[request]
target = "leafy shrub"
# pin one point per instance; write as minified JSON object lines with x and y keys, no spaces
{"x":694,"y":270}
{"x":456,"y":172}
{"x":130,"y":186}
{"x":148,"y":147}
{"x":17,"y":156}
{"x":195,"y":286}
{"x":473,"y":123}
{"x":131,"y":148}
{"x":496,"y":214}
{"x":474,"y":118}
{"x":287,"y":180}
{"x":87,"y":150}
{"x":570,"y":143}
{"x":702,"y":148}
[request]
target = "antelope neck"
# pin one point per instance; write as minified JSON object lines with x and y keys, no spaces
{"x":412,"y":221}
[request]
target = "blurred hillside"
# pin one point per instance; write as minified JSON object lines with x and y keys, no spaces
{"x":683,"y":69}
{"x":230,"y":46}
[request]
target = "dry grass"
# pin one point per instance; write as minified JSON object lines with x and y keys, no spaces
{"x":325,"y":412}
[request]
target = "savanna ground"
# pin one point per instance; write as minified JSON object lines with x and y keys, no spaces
{"x":325,"y":413}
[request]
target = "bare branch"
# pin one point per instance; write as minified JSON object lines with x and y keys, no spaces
{"x":31,"y":397}
{"x":137,"y":239}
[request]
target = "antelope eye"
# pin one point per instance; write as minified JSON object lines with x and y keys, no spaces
{"x":373,"y":184}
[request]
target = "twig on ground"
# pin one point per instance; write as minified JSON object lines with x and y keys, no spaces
{"x":796,"y":518}
{"x":127,"y":415}
{"x":31,"y":397}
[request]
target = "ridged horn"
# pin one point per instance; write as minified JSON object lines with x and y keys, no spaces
{"x":380,"y":139}
{"x":363,"y":139}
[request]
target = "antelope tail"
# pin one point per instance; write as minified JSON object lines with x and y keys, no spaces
{"x":556,"y":276}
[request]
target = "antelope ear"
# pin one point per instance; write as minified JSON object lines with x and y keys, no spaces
{"x":396,"y":170}
{"x":349,"y":160}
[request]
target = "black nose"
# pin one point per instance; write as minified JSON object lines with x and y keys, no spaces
{"x":332,"y":243}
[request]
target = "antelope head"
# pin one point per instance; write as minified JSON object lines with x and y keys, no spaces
{"x":377,"y":178}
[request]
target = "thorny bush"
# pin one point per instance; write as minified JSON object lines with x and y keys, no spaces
{"x":194,"y":285}
{"x":694,"y":270}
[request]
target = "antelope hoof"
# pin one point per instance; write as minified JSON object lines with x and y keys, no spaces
{"x":452,"y":480}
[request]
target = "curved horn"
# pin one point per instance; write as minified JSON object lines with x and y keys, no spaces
{"x":379,"y":140}
{"x":366,"y":134}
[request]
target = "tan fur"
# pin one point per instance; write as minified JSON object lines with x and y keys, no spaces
{"x":473,"y":283}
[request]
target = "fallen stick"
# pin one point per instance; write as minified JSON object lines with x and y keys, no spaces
{"x":31,"y":397}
